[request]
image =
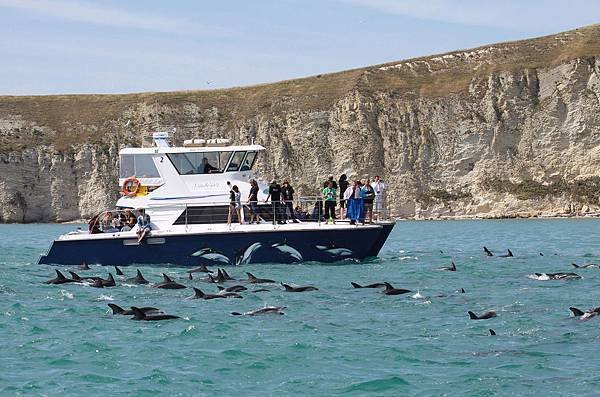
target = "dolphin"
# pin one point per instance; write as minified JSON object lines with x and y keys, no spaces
{"x":118,"y":271}
{"x":201,"y":269}
{"x":487,"y":251}
{"x":482,"y":316}
{"x":588,"y":266}
{"x":291,"y":251}
{"x":289,"y":288}
{"x":333,"y":250}
{"x":449,"y":268}
{"x":233,"y":288}
{"x":139,"y":315}
{"x":509,"y":254}
{"x":60,"y":279}
{"x":558,"y":276}
{"x":119,"y":310}
{"x":261,"y":290}
{"x":226,"y":275}
{"x":390,"y":290}
{"x":199,"y":294}
{"x":76,"y":277}
{"x":253,"y":280}
{"x":138,"y":279}
{"x":374,"y":285}
{"x":264,"y":310}
{"x":244,"y":257}
{"x":211,"y":255}
{"x":109,"y":282}
{"x":584,"y":316}
{"x":83,"y":266}
{"x":168,"y":283}
{"x":97,"y":283}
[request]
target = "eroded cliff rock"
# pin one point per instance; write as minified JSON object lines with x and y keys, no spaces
{"x":504,"y":130}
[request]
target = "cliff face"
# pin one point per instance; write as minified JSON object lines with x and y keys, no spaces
{"x":507,"y":129}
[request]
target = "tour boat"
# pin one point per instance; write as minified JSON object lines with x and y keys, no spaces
{"x":186,"y":192}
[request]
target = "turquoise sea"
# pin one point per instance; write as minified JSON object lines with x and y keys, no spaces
{"x":61,"y":339}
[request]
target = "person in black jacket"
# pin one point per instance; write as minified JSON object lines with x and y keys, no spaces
{"x":287,"y":193}
{"x":275,"y":196}
{"x":343,"y":184}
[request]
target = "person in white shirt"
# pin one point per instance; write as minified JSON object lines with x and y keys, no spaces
{"x":379,"y":188}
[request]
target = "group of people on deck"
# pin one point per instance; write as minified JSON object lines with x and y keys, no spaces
{"x":360,"y":201}
{"x":121,"y":221}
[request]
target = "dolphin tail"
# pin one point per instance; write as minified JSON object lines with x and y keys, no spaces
{"x":356,"y":285}
{"x":576,"y":266}
{"x":576,"y":311}
{"x":74,"y":276}
{"x":492,"y":332}
{"x":116,"y":309}
{"x":198,"y":293}
{"x":137,"y":313}
{"x":473,"y":316}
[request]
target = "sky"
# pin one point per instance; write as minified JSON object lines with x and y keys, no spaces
{"x":110,"y":46}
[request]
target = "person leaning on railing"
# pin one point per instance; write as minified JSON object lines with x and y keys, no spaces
{"x":253,"y":201}
{"x":287,"y":193}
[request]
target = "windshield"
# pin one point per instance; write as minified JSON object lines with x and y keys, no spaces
{"x":138,"y":165}
{"x":199,"y":163}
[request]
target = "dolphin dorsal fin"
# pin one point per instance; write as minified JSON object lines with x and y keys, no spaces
{"x":198,"y":292}
{"x":137,"y":313}
{"x":388,"y":286}
{"x":462,"y":290}
{"x":575,"y":265}
{"x":576,"y":311}
{"x":116,"y":309}
{"x":473,"y":316}
{"x":74,"y":275}
{"x":250,"y":276}
{"x":220,"y":288}
{"x":59,"y":275}
{"x":492,"y":332}
{"x":287,"y":287}
{"x":510,"y":253}
{"x":167,"y":279}
{"x":110,"y":277}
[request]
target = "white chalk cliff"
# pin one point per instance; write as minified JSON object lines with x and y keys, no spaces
{"x":510,"y":129}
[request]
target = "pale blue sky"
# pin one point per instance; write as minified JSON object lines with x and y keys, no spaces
{"x":73,"y":46}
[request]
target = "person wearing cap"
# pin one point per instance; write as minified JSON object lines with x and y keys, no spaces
{"x":275,"y":196}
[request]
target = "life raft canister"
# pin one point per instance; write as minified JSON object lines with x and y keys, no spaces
{"x":131,"y":186}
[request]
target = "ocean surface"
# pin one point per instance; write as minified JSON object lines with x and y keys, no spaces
{"x":62,"y":339}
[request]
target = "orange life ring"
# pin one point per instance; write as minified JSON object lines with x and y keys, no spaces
{"x":131,"y":186}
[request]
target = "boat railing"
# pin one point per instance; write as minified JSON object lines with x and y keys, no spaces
{"x":302,"y":209}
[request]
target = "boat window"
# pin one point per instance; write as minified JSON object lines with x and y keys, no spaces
{"x":236,"y":161}
{"x":198,"y":162}
{"x":140,"y":165}
{"x":248,"y":161}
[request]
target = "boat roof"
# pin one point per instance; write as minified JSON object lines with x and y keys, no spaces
{"x":191,"y":149}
